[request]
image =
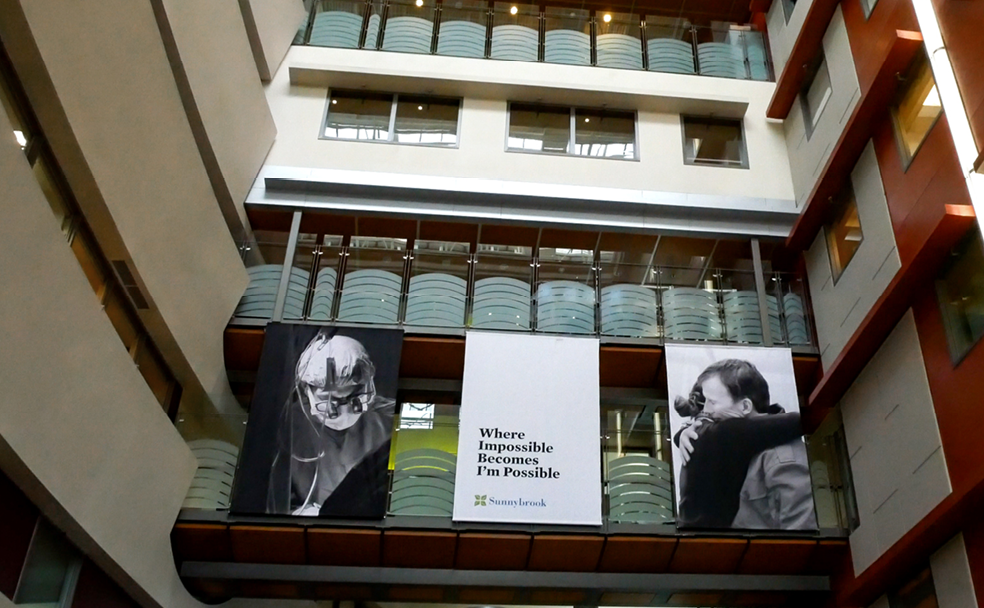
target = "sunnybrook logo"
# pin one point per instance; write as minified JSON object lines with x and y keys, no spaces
{"x":483,"y":500}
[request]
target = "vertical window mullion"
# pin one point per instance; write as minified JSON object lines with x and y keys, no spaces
{"x":570,"y":138}
{"x":392,"y":123}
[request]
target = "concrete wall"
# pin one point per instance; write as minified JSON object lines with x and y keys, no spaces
{"x":951,"y":575}
{"x":271,"y":25}
{"x":808,"y":155}
{"x":215,"y":55}
{"x":121,"y":132}
{"x":893,"y":439}
{"x":299,"y":110}
{"x":839,"y":308}
{"x":783,"y":35}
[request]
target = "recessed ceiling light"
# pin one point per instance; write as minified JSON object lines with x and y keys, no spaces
{"x":587,"y":120}
{"x":420,"y":2}
{"x":420,"y":107}
{"x":514,"y":10}
{"x":607,"y":18}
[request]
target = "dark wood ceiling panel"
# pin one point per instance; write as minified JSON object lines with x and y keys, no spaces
{"x":637,"y":554}
{"x":405,"y":549}
{"x":269,"y":589}
{"x":267,"y":545}
{"x":554,"y":597}
{"x":827,"y":557}
{"x":773,"y":556}
{"x":695,"y":599}
{"x":265,"y":218}
{"x":492,"y":551}
{"x":341,"y":547}
{"x":201,"y":542}
{"x":342,"y":592}
{"x":442,"y":358}
{"x":327,"y":223}
{"x":629,"y":366}
{"x":708,"y":555}
{"x":243,"y":347}
{"x":565,"y":553}
{"x":386,"y":227}
{"x":416,"y":594}
{"x":614,"y":598}
{"x":499,"y":234}
{"x":575,"y":239}
{"x":455,"y":232}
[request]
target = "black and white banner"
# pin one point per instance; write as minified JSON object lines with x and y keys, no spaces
{"x":528,"y":444}
{"x":739,"y":458}
{"x":320,"y":424}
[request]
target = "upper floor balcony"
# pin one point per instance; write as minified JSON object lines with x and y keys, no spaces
{"x":545,"y":34}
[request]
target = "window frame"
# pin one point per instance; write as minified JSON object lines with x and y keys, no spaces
{"x":391,"y":126}
{"x":572,"y":132}
{"x":969,"y":240}
{"x":847,"y":189}
{"x":904,"y":155}
{"x":810,"y":120}
{"x":743,"y":150}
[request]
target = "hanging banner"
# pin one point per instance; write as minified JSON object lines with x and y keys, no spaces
{"x":739,"y":458}
{"x":318,"y":439}
{"x":529,"y":436}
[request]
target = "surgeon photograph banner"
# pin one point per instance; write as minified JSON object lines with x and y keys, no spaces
{"x":739,"y":457}
{"x":529,"y":435}
{"x":320,"y":425}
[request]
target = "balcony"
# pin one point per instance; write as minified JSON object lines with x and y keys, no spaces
{"x":518,"y":32}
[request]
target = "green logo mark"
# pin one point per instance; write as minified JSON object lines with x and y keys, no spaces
{"x":480,"y":500}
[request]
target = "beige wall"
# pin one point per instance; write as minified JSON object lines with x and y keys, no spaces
{"x":271,"y":25}
{"x":951,"y":575}
{"x":783,"y":35}
{"x":299,"y":110}
{"x":839,"y":308}
{"x":76,"y":411}
{"x":809,"y":154}
{"x":894,"y":444}
{"x":215,"y":54}
{"x":122,"y":111}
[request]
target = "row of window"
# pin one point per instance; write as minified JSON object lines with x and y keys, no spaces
{"x":537,"y":128}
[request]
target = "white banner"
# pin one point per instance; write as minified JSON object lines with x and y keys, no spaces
{"x":738,"y":454}
{"x":529,"y":439}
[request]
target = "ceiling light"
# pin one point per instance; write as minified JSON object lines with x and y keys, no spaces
{"x":606,"y":18}
{"x":514,"y":10}
{"x":587,"y":120}
{"x":334,"y":101}
{"x":420,"y":2}
{"x":420,"y":107}
{"x":19,"y":136}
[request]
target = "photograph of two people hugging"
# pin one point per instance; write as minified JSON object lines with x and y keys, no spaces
{"x":739,"y":455}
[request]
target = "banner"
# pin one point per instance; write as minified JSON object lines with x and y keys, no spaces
{"x":529,"y":439}
{"x":738,"y":454}
{"x":318,"y":439}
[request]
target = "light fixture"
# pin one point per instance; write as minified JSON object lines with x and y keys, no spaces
{"x":606,"y":18}
{"x":514,"y":10}
{"x":587,"y":120}
{"x":334,"y":101}
{"x":420,"y":2}
{"x":420,"y":107}
{"x":19,"y":136}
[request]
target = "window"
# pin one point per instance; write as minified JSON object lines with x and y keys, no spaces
{"x":713,"y":141}
{"x":917,"y":108}
{"x":574,"y":131}
{"x":844,"y":234}
{"x":917,"y":593}
{"x":787,"y":8}
{"x":815,"y":94}
{"x":416,"y":415}
{"x":404,"y":119}
{"x":960,"y":290}
{"x":868,"y":6}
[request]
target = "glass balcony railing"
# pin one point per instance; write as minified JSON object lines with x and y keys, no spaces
{"x":436,"y":286}
{"x":521,"y":32}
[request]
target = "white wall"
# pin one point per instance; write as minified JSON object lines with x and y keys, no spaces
{"x":839,"y":308}
{"x":808,"y":155}
{"x":951,"y":575}
{"x":896,"y":456}
{"x":298,"y":112}
{"x":271,"y":25}
{"x":783,"y":35}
